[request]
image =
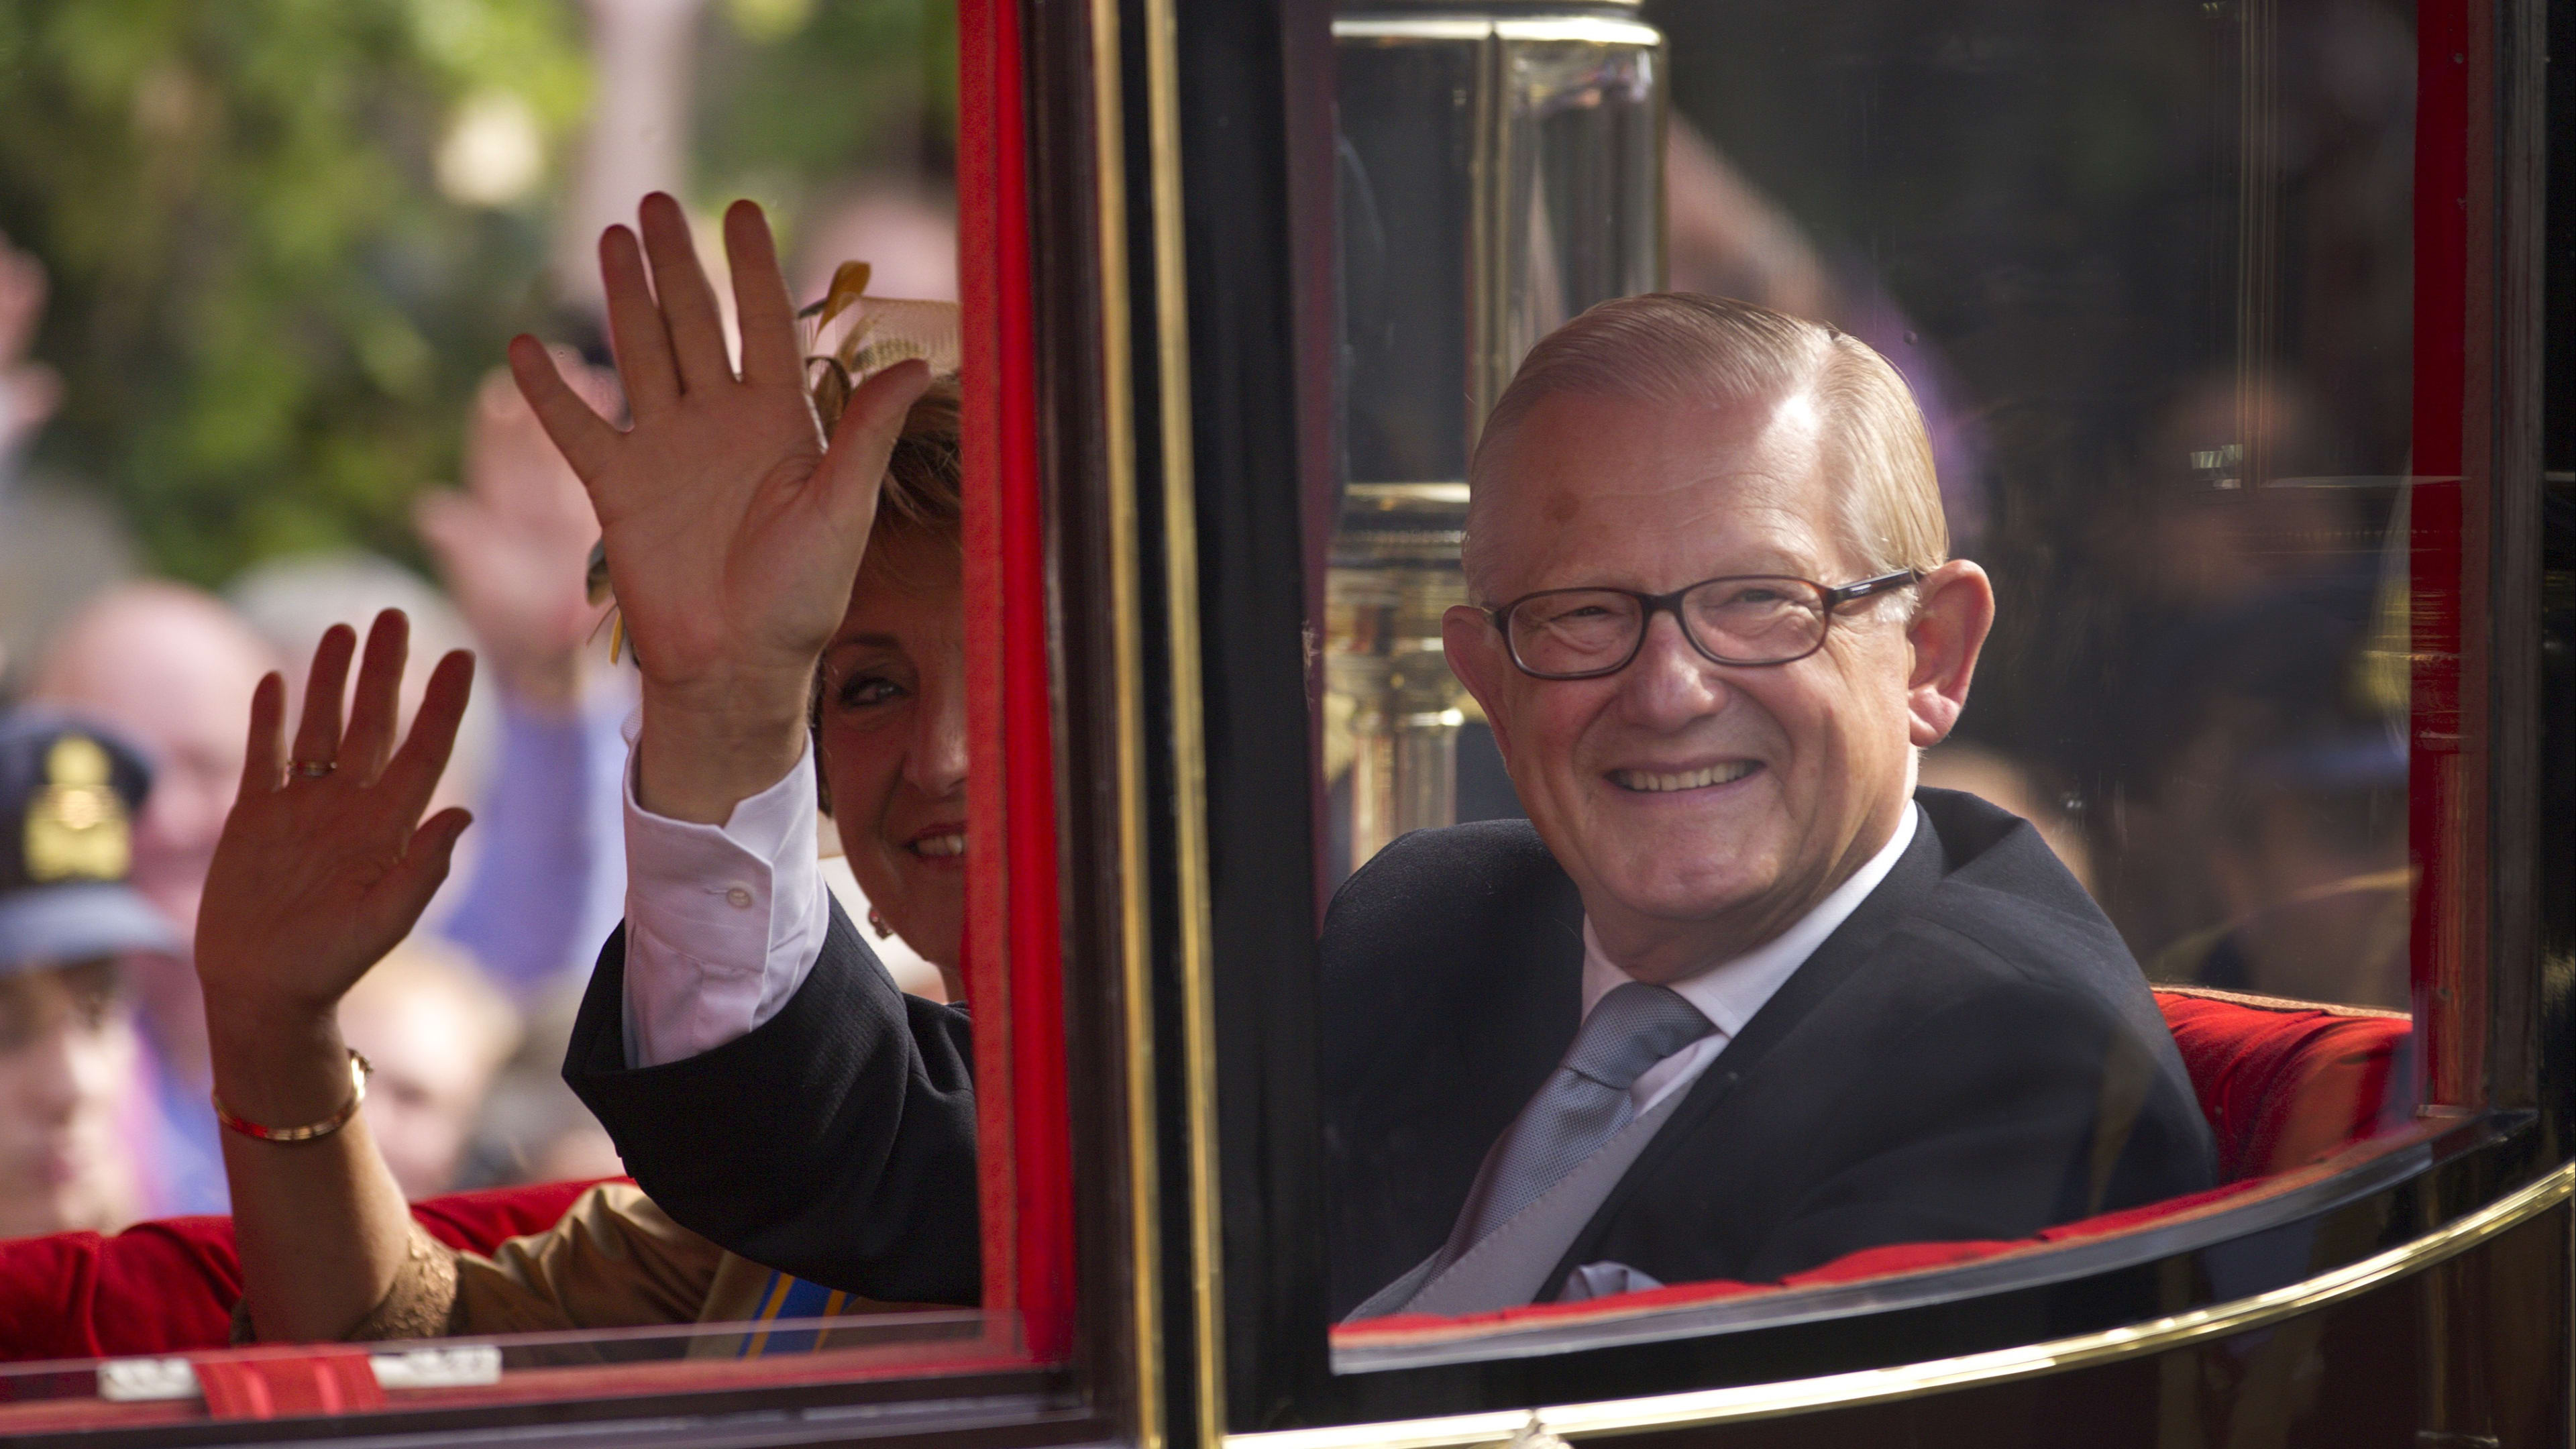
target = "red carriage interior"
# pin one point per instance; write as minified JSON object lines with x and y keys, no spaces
{"x":170,"y":1286}
{"x":2284,"y":1084}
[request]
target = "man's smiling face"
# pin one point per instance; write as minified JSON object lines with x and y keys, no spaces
{"x":1698,"y":806}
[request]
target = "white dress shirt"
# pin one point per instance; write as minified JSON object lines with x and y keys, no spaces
{"x":721,"y":923}
{"x":1729,"y":992}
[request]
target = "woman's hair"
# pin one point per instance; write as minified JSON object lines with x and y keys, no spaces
{"x":924,"y":485}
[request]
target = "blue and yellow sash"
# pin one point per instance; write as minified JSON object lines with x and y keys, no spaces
{"x":789,"y":1298}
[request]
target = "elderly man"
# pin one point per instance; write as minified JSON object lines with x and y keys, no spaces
{"x":1737,"y":999}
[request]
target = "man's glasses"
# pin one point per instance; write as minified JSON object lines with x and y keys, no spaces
{"x":1748,"y":621}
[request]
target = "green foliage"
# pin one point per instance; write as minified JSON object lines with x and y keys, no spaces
{"x":795,"y":97}
{"x":268,"y":316}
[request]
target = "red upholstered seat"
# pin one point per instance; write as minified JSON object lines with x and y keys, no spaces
{"x":170,"y":1286}
{"x":2284,"y":1084}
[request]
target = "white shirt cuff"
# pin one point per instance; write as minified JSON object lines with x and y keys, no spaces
{"x":722,"y":924}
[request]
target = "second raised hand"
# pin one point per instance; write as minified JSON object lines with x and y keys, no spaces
{"x":733,"y":531}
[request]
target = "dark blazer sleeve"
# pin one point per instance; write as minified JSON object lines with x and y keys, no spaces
{"x":836,"y":1141}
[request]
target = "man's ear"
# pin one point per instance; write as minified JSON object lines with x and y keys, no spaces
{"x":1476,"y":656}
{"x":1955,"y":607}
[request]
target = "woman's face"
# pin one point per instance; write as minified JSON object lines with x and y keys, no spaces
{"x":893,"y":738}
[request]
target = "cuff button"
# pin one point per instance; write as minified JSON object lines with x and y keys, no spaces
{"x":738,"y":898}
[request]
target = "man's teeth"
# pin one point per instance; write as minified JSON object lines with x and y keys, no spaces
{"x":940,"y":846}
{"x":1689,"y":780}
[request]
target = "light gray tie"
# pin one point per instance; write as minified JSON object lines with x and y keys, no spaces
{"x":1581,"y":1107}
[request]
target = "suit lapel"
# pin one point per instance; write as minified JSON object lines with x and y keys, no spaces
{"x":1525,"y":1022}
{"x":1552,"y":974}
{"x":1842,"y":955}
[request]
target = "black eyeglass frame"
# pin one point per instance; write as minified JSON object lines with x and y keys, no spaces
{"x":1834,"y":598}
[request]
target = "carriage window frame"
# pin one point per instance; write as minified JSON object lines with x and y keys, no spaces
{"x":1016,"y":1359}
{"x":2474,"y":730}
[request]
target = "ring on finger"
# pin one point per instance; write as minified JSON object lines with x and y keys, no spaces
{"x":314,"y":769}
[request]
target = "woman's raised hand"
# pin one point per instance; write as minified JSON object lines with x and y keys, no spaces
{"x":323,"y":867}
{"x":733,"y":533}
{"x":324,"y":863}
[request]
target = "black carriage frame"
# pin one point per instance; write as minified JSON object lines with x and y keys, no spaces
{"x":1254,"y":110}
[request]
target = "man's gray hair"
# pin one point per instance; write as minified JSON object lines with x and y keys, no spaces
{"x":1687,"y":350}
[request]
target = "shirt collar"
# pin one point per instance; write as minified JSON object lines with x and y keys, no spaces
{"x":1729,"y":992}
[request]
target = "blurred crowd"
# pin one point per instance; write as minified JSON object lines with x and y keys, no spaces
{"x":104,"y":1115}
{"x":125,"y":704}
{"x":124,"y":708}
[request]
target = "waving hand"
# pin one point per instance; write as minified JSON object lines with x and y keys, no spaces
{"x":325,"y":863}
{"x":324,"y":866}
{"x":732,"y":531}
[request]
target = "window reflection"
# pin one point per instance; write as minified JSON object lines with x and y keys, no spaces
{"x":2146,"y":271}
{"x":2154,"y":299}
{"x":1498,"y":174}
{"x":2149,"y":271}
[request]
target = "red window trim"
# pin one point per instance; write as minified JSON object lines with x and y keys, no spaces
{"x":1013,"y":967}
{"x":2449,"y":509}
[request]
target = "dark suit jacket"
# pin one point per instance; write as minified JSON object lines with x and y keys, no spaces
{"x":835,"y":1141}
{"x":1973,"y":1054}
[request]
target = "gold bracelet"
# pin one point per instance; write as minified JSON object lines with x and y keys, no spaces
{"x":359,"y":1070}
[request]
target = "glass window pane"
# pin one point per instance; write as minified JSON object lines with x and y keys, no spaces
{"x":261,"y":268}
{"x":2147,"y":274}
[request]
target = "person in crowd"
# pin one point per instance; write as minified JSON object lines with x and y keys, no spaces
{"x":326,"y":862}
{"x":290,"y":599}
{"x":69,"y":796}
{"x":1717,"y":620}
{"x":513,"y":547}
{"x":436,"y":1031}
{"x":171,"y":669}
{"x":55,"y":542}
{"x":29,"y":390}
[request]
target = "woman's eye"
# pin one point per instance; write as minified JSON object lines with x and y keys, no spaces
{"x":862,"y":691}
